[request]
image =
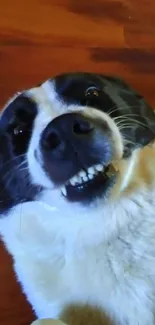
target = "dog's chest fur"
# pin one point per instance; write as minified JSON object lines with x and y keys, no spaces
{"x":117,"y":274}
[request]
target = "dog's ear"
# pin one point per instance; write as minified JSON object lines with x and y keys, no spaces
{"x":138,"y":117}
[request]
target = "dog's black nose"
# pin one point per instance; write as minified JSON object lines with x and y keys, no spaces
{"x":67,"y":127}
{"x":82,"y":127}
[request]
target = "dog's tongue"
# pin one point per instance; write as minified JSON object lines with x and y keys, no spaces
{"x":47,"y":322}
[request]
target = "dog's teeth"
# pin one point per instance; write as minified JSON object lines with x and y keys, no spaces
{"x":91,"y":170}
{"x":79,"y":180}
{"x":74,"y":180}
{"x":99,"y":167}
{"x":82,"y":173}
{"x":91,"y":176}
{"x":85,"y":178}
{"x":63,"y":190}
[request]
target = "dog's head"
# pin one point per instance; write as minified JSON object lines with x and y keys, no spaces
{"x":71,"y":141}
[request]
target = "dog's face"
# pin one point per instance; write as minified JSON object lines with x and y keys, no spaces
{"x":65,"y":141}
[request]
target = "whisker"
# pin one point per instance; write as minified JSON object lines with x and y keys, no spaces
{"x":116,"y":107}
{"x":113,"y":109}
{"x":122,"y":124}
{"x":13,"y":170}
{"x":8,"y":177}
{"x":129,"y":141}
{"x":15,"y":158}
{"x":22,"y":169}
{"x":125,"y":127}
{"x":126,"y":116}
{"x":134,"y":122}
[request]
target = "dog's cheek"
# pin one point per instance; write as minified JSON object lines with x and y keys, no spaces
{"x":144,"y":136}
{"x":6,"y":152}
{"x":137,"y":137}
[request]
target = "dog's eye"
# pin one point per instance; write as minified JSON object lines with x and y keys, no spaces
{"x":92,"y":92}
{"x":92,"y":96}
{"x":19,"y":130}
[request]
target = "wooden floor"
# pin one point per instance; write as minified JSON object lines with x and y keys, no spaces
{"x":39,"y":38}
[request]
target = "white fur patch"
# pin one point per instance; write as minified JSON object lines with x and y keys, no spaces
{"x":102,"y":255}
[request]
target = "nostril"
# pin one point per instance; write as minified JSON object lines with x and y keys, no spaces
{"x":82,"y":127}
{"x":51,"y":141}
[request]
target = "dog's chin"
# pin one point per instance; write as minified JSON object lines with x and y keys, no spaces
{"x":91,"y":188}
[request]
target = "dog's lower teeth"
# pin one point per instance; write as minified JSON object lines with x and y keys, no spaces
{"x":91,"y":176}
{"x":85,"y":178}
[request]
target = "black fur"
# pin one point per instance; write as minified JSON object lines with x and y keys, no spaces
{"x":72,"y":89}
{"x":15,"y":184}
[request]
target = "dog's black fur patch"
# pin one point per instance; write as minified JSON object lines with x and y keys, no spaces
{"x":15,"y":186}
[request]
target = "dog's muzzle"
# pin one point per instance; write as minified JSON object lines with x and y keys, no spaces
{"x":76,"y":152}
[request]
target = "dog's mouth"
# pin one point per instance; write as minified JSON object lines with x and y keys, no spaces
{"x":90,"y":184}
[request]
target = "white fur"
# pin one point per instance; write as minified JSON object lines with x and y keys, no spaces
{"x":64,"y":252}
{"x":127,"y":176}
{"x":103,"y":255}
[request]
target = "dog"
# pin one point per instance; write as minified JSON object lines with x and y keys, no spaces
{"x":77,"y":198}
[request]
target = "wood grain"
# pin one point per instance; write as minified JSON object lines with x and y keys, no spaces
{"x":40,"y":38}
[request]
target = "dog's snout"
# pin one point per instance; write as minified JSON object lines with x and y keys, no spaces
{"x":64,"y":127}
{"x":72,"y":142}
